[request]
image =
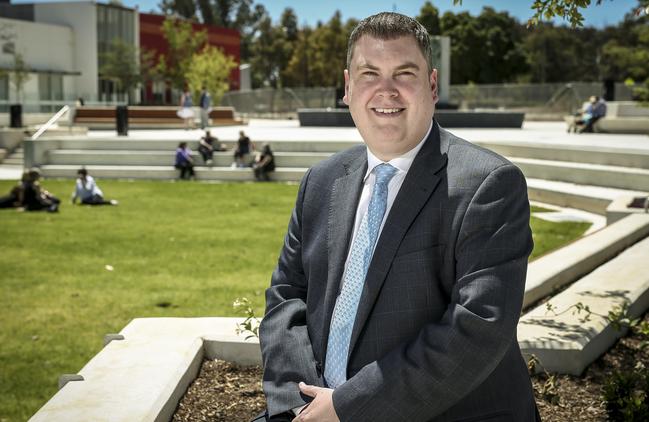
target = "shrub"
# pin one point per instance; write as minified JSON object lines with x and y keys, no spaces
{"x":627,"y":395}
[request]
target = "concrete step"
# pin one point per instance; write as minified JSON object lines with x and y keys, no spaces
{"x":286,"y":174}
{"x":551,"y":272}
{"x":164,"y":158}
{"x":143,"y":375}
{"x":585,"y":174}
{"x":562,"y":339}
{"x":151,"y":144}
{"x":609,"y":156}
{"x":595,"y":199}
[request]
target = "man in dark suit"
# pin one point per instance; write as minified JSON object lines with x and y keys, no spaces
{"x":400,"y":283}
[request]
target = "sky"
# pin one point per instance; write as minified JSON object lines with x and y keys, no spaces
{"x":309,"y":12}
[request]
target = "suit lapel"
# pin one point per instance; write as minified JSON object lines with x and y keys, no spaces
{"x":415,"y":191}
{"x":342,"y":212}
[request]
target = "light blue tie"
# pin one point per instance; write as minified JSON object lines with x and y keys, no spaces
{"x":342,"y":322}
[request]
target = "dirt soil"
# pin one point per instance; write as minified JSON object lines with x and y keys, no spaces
{"x":227,"y":392}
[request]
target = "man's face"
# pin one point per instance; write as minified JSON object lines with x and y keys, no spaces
{"x":390,"y":94}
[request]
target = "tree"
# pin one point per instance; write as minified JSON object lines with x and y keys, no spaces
{"x":183,"y":42}
{"x":567,"y":9}
{"x":484,"y":49}
{"x":180,"y":8}
{"x":558,"y":54}
{"x":19,"y":75}
{"x":210,"y":68}
{"x":429,"y":18}
{"x":120,"y":65}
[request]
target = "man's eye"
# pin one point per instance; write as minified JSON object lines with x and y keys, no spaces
{"x":408,"y":73}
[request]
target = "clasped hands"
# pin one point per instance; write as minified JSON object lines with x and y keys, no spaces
{"x":321,"y":409}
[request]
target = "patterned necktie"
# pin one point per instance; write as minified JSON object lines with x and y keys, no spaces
{"x":342,"y":322}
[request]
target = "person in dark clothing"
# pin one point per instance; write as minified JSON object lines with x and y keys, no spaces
{"x":205,"y":102}
{"x":244,"y":148}
{"x":206,"y":147}
{"x":264,"y":164}
{"x":597,"y":111}
{"x":15,"y":197}
{"x":35,"y":197}
{"x":184,"y":161}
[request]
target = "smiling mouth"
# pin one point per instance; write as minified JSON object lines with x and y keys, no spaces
{"x":388,"y":112}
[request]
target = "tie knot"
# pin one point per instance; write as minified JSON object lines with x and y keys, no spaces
{"x":384,"y":173}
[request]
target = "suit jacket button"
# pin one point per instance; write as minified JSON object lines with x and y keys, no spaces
{"x":318,"y":369}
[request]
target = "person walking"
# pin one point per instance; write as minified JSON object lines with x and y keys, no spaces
{"x":186,"y":111}
{"x":205,"y":103}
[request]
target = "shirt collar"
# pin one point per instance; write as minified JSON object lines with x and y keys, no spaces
{"x":402,"y":163}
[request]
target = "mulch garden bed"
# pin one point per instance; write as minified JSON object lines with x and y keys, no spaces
{"x":227,"y":392}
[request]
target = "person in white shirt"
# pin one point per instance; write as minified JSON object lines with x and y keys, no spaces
{"x":87,"y":191}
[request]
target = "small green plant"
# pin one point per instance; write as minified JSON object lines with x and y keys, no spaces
{"x":577,"y":308}
{"x":626,"y":395}
{"x":549,"y":391}
{"x":251,"y":323}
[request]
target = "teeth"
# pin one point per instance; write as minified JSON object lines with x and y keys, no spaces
{"x":387,"y":110}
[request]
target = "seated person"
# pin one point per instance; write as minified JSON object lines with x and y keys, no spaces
{"x":184,"y":161}
{"x":35,"y":198}
{"x":243,"y":150}
{"x":88,"y":192}
{"x":597,"y":111}
{"x":15,"y":197}
{"x":264,"y":164}
{"x":206,"y":147}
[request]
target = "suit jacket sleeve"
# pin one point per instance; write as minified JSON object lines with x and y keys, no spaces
{"x":285,"y":345}
{"x":452,"y":356}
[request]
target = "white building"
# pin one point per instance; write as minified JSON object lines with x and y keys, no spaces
{"x":61,"y":44}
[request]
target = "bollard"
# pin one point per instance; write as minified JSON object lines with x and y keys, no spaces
{"x":121,"y":120}
{"x":16,"y":115}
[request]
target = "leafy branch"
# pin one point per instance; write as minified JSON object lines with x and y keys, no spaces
{"x":251,"y":323}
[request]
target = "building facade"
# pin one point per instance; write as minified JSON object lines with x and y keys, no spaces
{"x":152,"y":39}
{"x":62,"y":45}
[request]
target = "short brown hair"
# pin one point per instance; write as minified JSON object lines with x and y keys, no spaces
{"x":390,"y":26}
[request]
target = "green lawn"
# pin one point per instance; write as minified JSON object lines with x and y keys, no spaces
{"x":176,"y":249}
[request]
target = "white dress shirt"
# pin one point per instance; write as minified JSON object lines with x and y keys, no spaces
{"x":402,"y":163}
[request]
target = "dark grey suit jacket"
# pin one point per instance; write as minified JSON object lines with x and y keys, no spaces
{"x":435,"y":334}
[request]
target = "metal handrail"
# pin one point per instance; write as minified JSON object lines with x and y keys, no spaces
{"x":50,"y":122}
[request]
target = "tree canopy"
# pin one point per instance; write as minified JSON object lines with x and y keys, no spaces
{"x":491,"y":47}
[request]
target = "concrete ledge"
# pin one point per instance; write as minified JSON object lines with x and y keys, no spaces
{"x":446,"y":118}
{"x":142,"y":377}
{"x":619,"y":208}
{"x":164,"y":158}
{"x":551,"y":272}
{"x":591,"y":154}
{"x":286,"y":174}
{"x":565,"y":343}
{"x":585,"y":174}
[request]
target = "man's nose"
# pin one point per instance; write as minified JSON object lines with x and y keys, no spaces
{"x":387,"y":88}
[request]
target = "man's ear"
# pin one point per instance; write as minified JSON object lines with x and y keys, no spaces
{"x":433,"y":85}
{"x":346,"y":96}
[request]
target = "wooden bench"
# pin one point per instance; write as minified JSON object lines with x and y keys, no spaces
{"x":143,"y":116}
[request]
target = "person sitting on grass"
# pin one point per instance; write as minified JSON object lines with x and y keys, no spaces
{"x":264,"y":164}
{"x":184,"y":161}
{"x":35,"y":198}
{"x":88,"y":192}
{"x":15,"y":197}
